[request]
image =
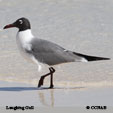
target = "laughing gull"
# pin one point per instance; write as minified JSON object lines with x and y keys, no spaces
{"x":43,"y":51}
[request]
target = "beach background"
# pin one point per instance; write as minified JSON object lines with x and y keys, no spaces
{"x":84,"y":26}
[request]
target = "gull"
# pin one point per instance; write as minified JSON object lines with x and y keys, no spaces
{"x":41,"y":51}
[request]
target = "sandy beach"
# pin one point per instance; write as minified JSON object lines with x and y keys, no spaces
{"x":84,"y":26}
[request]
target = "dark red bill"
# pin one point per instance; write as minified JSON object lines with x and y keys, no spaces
{"x":9,"y":26}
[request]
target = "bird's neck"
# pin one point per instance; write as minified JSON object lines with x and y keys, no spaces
{"x":25,"y":36}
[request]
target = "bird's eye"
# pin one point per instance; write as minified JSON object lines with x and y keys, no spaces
{"x":20,"y":21}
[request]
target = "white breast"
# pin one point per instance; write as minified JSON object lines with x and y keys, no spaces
{"x":23,"y":39}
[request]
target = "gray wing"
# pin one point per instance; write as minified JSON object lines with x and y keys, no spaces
{"x":50,"y":53}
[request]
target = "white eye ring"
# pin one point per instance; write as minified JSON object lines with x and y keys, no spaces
{"x":21,"y":22}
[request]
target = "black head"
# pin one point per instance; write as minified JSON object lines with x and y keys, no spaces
{"x":22,"y":24}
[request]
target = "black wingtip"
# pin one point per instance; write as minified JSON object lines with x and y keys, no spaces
{"x":100,"y":58}
{"x":91,"y":58}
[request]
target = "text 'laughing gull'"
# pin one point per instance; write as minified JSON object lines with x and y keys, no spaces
{"x":43,"y":51}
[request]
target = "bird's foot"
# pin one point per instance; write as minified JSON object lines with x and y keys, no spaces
{"x":51,"y":86}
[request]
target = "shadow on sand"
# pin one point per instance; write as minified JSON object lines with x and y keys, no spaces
{"x":35,"y":88}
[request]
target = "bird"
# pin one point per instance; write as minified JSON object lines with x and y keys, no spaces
{"x":42,"y":51}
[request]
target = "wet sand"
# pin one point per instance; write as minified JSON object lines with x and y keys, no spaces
{"x":12,"y":94}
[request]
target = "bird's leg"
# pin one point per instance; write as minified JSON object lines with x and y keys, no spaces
{"x":52,"y":70}
{"x":42,"y":79}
